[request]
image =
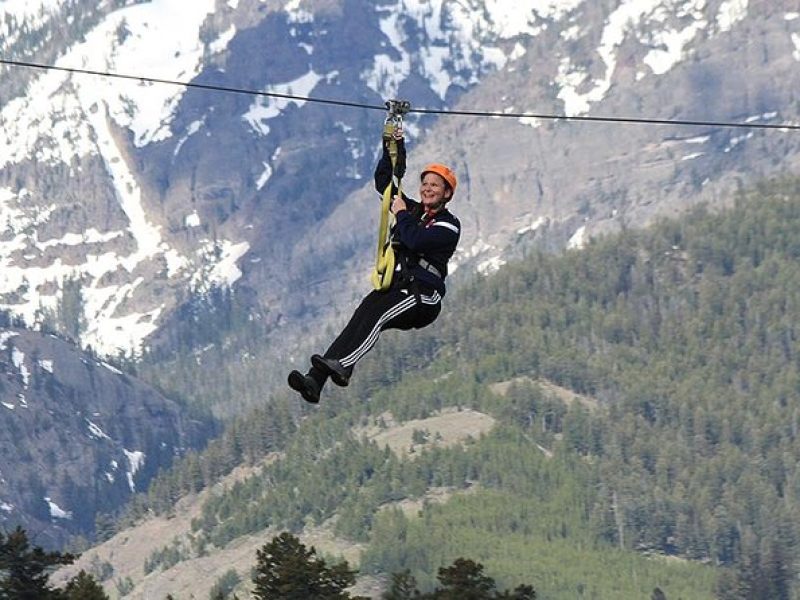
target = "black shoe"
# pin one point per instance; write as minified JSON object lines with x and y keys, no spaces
{"x":306,"y":385}
{"x":333,"y":368}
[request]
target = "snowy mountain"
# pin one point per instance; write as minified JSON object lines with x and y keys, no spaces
{"x":78,"y":153}
{"x":141,"y":191}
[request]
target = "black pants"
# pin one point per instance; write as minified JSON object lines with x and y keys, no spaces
{"x":396,"y":308}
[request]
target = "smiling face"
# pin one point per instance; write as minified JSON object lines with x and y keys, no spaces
{"x":433,"y":191}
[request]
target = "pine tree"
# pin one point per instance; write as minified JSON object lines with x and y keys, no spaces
{"x":225,"y":585}
{"x":104,"y":527}
{"x":84,"y":587}
{"x":524,"y":592}
{"x":464,"y":580}
{"x":658,"y":595}
{"x":287,"y":570}
{"x":24,"y":570}
{"x":402,"y":587}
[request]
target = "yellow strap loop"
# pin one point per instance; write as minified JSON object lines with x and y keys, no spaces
{"x":385,"y":259}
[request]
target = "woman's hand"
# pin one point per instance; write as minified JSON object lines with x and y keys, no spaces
{"x":398,"y":204}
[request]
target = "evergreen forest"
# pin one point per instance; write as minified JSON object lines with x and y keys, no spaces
{"x":674,"y":468}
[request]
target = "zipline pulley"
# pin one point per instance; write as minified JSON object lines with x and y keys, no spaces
{"x":397,"y":108}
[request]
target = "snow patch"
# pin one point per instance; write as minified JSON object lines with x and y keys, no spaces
{"x":572,"y":78}
{"x":767,"y":116}
{"x":193,"y":128}
{"x":673,"y":44}
{"x":95,"y":432}
{"x":735,"y":141}
{"x":135,"y":459}
{"x":297,"y":14}
{"x":46,"y":365}
{"x":730,"y":13}
{"x":147,"y":236}
{"x":224,"y":271}
{"x":163,"y":42}
{"x":265,"y":108}
{"x":578,"y":239}
{"x":113,"y":369}
{"x":796,"y":42}
{"x":221,"y":43}
{"x":175,"y":262}
{"x":109,"y":334}
{"x":461,"y":37}
{"x":264,"y":177}
{"x":6,"y":507}
{"x":530,"y":122}
{"x":90,"y":236}
{"x":579,"y":90}
{"x":18,"y":17}
{"x":110,"y":476}
{"x":517,"y":52}
{"x":192,"y":220}
{"x":491,"y":265}
{"x":22,"y":9}
{"x":53,"y":122}
{"x":135,"y":462}
{"x":571,"y":34}
{"x":56,"y":512}
{"x":5,"y":336}
{"x":533,"y":226}
{"x":510,"y":19}
{"x":18,"y":359}
{"x":480,"y":247}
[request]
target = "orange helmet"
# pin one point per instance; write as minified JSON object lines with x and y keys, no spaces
{"x":444,"y":172}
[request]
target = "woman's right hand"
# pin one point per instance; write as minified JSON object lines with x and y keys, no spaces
{"x":398,"y":204}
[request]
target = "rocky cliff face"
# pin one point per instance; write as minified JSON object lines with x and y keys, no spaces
{"x":77,"y":436}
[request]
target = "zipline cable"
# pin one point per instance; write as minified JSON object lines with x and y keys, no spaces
{"x":188,"y":84}
{"x":430,"y":111}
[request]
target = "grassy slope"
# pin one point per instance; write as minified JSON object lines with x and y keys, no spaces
{"x":560,"y":563}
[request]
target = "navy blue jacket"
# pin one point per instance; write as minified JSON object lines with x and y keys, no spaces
{"x":416,"y":236}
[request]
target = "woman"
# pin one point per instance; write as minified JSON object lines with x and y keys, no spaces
{"x":424,"y":238}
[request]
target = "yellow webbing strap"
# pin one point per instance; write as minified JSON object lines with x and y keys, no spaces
{"x":385,"y":260}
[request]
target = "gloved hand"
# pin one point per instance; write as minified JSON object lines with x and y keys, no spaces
{"x":397,"y":136}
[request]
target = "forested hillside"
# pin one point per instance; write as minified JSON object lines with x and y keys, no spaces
{"x":682,"y":343}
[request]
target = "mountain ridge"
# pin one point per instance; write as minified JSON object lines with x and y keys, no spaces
{"x":203,"y":179}
{"x":79,"y":437}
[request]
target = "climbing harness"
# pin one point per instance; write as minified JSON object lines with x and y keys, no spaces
{"x":385,"y":259}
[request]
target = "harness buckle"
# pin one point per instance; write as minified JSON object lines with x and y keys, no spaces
{"x":429,"y":267}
